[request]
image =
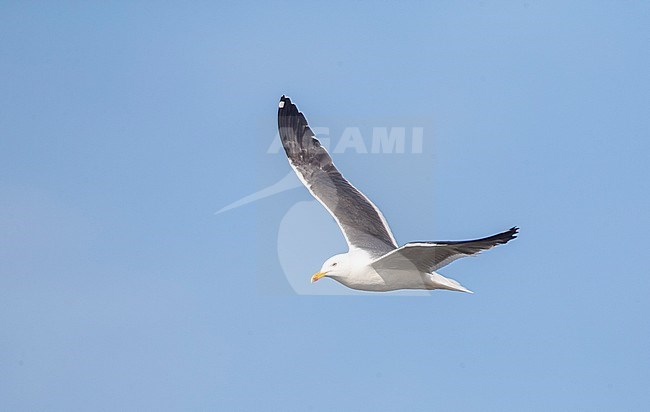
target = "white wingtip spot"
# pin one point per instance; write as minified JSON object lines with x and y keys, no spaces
{"x":281,"y":104}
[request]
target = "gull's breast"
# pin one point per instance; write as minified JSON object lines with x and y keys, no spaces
{"x":368,"y":278}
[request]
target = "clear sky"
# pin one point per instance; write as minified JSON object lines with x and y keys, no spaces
{"x":125,"y":126}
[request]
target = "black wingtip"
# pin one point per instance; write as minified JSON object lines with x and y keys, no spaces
{"x":503,"y":237}
{"x":509,"y":234}
{"x":284,"y":104}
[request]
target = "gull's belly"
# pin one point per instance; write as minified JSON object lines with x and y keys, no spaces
{"x":367,"y":278}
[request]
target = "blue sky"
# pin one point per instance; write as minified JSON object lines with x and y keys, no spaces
{"x":125,"y":126}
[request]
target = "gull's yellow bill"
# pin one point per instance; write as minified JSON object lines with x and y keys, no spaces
{"x":317,"y":276}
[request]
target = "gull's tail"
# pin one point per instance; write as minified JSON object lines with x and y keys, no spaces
{"x":437,"y":281}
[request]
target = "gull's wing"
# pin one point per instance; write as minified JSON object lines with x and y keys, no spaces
{"x":362,"y":224}
{"x":430,"y":256}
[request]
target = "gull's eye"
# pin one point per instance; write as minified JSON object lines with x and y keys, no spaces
{"x":334,"y":264}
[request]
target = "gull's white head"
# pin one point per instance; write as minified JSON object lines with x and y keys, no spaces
{"x":335,"y":267}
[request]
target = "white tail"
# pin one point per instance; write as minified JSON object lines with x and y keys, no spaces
{"x":440,"y":282}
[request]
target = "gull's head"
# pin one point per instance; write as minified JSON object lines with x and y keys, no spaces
{"x":336,"y":266}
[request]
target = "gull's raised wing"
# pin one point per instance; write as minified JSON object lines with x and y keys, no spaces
{"x":362,"y":224}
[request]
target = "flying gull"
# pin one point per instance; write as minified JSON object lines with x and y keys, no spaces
{"x":374,"y":261}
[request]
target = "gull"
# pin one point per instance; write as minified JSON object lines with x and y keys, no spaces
{"x":374,"y":261}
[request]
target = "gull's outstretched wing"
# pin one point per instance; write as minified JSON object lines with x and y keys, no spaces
{"x":363,"y":225}
{"x":430,"y":256}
